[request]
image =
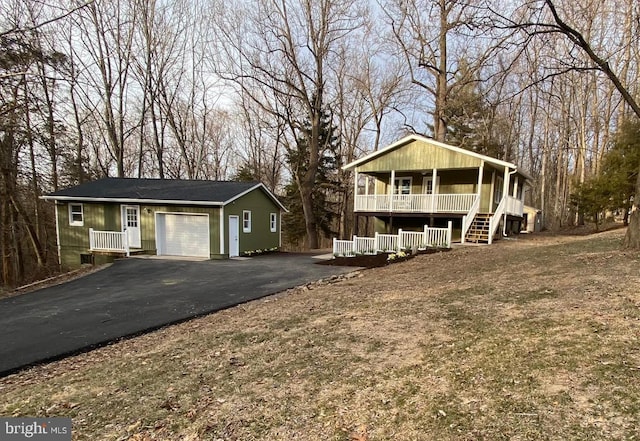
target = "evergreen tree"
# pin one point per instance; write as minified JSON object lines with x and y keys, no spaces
{"x":471,"y":120}
{"x":325,"y":186}
{"x":614,"y":187}
{"x":245,"y":174}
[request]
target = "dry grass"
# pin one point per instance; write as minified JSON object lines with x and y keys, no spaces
{"x":523,"y":340}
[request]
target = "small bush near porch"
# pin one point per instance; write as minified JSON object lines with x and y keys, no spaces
{"x":530,"y":339}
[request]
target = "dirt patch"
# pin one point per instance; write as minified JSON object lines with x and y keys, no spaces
{"x":524,"y":339}
{"x":55,"y":280}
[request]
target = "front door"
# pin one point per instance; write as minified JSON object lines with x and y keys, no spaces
{"x":234,"y":236}
{"x":131,"y":224}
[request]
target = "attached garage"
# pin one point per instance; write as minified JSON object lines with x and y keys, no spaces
{"x":182,"y":234}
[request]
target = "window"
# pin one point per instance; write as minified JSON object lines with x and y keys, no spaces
{"x":402,"y":186}
{"x":76,"y":215}
{"x":246,"y":221}
{"x":273,"y":222}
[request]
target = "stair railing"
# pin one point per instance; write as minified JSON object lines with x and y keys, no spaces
{"x":494,"y":221}
{"x":468,"y":219}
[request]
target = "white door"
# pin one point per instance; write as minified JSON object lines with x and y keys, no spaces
{"x":234,"y":236}
{"x":182,"y":234}
{"x":131,"y":224}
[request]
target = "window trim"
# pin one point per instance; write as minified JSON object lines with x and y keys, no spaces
{"x":397,"y":189}
{"x":72,"y":222}
{"x":273,"y":222}
{"x":434,"y":187}
{"x":246,"y":221}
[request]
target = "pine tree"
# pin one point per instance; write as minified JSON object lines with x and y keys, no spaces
{"x":325,"y":187}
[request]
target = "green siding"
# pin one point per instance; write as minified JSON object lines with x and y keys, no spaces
{"x":419,"y":155}
{"x":74,"y":240}
{"x":260,"y":236}
{"x":458,"y":181}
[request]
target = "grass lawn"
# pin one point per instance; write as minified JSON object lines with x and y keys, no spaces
{"x":529,"y":339}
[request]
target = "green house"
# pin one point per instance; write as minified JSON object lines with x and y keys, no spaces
{"x":417,"y":181}
{"x":110,"y":217}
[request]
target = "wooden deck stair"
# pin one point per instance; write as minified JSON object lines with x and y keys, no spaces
{"x":479,"y":229}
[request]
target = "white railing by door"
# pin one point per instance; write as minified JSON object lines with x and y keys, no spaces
{"x":415,"y":203}
{"x":115,"y":241}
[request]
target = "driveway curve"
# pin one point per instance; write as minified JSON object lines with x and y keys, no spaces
{"x":133,"y":296}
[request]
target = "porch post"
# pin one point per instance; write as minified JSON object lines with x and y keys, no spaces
{"x":391,"y":189}
{"x":480,"y":176}
{"x":355,"y":184}
{"x":434,"y":180}
{"x":505,"y":193}
{"x":505,"y":184}
{"x":492,"y":193}
{"x":515,"y":186}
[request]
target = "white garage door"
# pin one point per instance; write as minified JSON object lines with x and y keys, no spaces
{"x":183,"y":234}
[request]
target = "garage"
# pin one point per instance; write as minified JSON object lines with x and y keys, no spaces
{"x":182,"y":234}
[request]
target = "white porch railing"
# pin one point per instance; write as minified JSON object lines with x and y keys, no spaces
{"x":415,"y":203}
{"x":114,"y":241}
{"x":429,"y":237}
{"x":514,"y":206}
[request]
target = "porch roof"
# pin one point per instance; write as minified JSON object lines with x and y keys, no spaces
{"x":412,"y":138}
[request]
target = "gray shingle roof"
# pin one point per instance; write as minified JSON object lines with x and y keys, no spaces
{"x":119,"y":189}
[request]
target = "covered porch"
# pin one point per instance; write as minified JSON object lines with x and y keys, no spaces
{"x":439,"y":191}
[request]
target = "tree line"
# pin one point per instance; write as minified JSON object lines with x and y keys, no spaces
{"x":287,"y":91}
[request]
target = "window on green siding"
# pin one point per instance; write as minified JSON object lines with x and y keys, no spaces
{"x":76,"y":215}
{"x":246,"y":221}
{"x":273,"y":222}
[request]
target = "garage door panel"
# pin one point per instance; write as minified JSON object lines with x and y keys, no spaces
{"x":183,"y":235}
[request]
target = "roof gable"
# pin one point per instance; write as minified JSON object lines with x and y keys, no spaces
{"x":418,"y":152}
{"x":127,"y":190}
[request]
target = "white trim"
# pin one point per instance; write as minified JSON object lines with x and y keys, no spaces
{"x":246,"y":228}
{"x":132,"y":201}
{"x":229,"y":237}
{"x":221,"y":230}
{"x":182,"y":213}
{"x":399,"y":187}
{"x":124,"y":226}
{"x":72,"y":222}
{"x":280,"y":230}
{"x":434,"y":187}
{"x":410,"y":138}
{"x":273,"y":222}
{"x":258,"y":185}
{"x":56,"y":205}
{"x":493,"y":189}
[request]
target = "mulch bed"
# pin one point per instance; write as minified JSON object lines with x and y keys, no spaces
{"x":377,"y":260}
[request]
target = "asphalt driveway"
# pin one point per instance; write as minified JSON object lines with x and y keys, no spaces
{"x":136,"y":295}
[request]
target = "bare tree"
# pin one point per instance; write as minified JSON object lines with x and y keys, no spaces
{"x":544,"y":18}
{"x":277,"y":53}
